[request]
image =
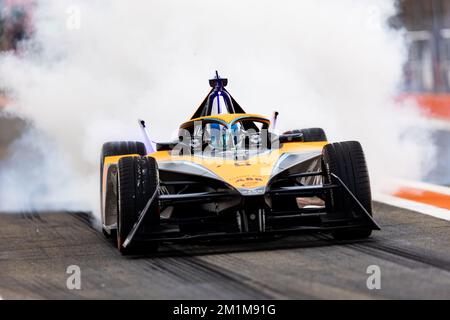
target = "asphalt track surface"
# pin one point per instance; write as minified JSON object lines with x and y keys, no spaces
{"x":412,"y":251}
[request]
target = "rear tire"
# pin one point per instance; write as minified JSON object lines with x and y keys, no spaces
{"x":347,"y":161}
{"x":117,"y":148}
{"x":311,"y":134}
{"x":138,"y":179}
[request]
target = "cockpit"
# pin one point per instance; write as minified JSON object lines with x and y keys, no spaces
{"x":214,"y":135}
{"x":221,"y":126}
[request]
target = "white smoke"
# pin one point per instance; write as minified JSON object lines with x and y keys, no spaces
{"x":95,"y":66}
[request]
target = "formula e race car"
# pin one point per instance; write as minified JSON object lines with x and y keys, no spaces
{"x":230,"y":175}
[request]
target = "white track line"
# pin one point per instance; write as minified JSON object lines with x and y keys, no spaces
{"x":413,"y":206}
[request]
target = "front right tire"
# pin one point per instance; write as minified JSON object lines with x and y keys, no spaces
{"x":108,"y":199}
{"x":138,"y":180}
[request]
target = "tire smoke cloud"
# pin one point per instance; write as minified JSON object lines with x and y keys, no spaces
{"x":94,"y":67}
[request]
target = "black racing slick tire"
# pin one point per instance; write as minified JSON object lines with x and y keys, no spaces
{"x":311,"y":134}
{"x":347,"y":161}
{"x":117,"y":148}
{"x":138,"y":180}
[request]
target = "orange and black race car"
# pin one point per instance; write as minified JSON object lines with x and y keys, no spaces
{"x":230,"y":175}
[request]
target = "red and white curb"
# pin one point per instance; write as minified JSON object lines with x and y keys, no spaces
{"x":429,"y":199}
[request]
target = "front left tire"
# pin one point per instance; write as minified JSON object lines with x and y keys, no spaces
{"x":347,"y":161}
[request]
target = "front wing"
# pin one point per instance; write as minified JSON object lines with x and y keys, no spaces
{"x":258,"y":221}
